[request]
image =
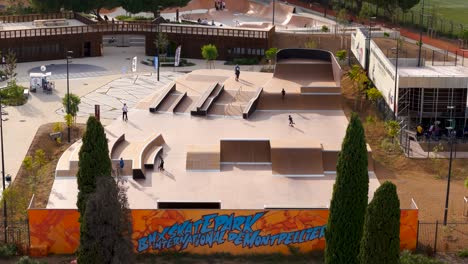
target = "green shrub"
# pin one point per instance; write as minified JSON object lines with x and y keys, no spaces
{"x":341,"y":55}
{"x":7,"y":250}
{"x":463,"y":253}
{"x":13,"y":94}
{"x":28,"y":260}
{"x":134,"y":18}
{"x":386,"y":34}
{"x":325,"y":28}
{"x":407,"y":258}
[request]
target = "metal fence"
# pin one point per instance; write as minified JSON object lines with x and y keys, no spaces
{"x":16,"y":233}
{"x":437,"y":237}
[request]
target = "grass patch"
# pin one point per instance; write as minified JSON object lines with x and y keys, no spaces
{"x":455,"y":10}
{"x":133,"y":18}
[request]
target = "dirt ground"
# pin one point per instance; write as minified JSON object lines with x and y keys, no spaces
{"x":415,"y":178}
{"x":323,"y":41}
{"x":410,"y":50}
{"x":53,"y":151}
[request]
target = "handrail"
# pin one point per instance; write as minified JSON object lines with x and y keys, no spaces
{"x":136,"y":27}
{"x":32,"y":17}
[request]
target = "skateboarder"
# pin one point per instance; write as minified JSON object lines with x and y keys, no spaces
{"x":283,"y":94}
{"x":125,"y":112}
{"x":291,"y":122}
{"x":237,"y":71}
{"x":161,"y":164}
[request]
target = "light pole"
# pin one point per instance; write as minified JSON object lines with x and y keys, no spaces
{"x":451,"y":138}
{"x":396,"y":80}
{"x":274,"y":3}
{"x":420,"y":34}
{"x":368,"y":45}
{"x":69,"y":56}
{"x":3,"y":175}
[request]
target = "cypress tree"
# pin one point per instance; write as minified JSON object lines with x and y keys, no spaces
{"x":109,"y":226}
{"x":381,"y":239}
{"x":350,"y":198}
{"x":94,"y":162}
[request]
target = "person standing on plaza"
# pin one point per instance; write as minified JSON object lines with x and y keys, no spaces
{"x":237,"y":71}
{"x":125,"y":112}
{"x":291,"y":122}
{"x":283,"y":94}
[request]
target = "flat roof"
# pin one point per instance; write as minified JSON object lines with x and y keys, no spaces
{"x":434,"y":71}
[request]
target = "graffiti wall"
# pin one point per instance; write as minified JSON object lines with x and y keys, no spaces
{"x":206,"y":231}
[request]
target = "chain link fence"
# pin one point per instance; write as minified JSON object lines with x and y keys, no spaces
{"x":437,"y":237}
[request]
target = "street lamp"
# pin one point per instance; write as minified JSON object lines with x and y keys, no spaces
{"x":69,"y":56}
{"x":396,"y":80}
{"x":420,"y":34}
{"x":452,"y":134}
{"x":3,"y":174}
{"x":274,"y":4}
{"x":368,"y":44}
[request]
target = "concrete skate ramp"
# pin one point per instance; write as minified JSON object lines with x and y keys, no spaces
{"x":203,"y":158}
{"x":306,"y":73}
{"x":246,"y":13}
{"x":308,"y":67}
{"x":330,"y":158}
{"x":274,"y":101}
{"x":296,"y":158}
{"x":245,"y":151}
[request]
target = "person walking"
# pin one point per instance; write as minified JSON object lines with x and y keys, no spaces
{"x":125,"y":112}
{"x":161,"y":164}
{"x":120,"y":167}
{"x":291,"y":122}
{"x":237,"y":71}
{"x":283,"y":94}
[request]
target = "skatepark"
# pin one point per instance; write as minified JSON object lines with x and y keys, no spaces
{"x":243,"y":13}
{"x":228,"y":142}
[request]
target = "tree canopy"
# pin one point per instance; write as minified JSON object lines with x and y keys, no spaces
{"x":350,"y":197}
{"x":381,"y":239}
{"x":109,"y":225}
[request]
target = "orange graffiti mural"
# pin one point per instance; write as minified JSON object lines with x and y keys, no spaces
{"x":206,"y":231}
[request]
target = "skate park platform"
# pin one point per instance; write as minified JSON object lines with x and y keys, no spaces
{"x":243,"y":163}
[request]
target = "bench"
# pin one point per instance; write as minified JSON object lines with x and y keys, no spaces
{"x":55,"y":135}
{"x":155,"y":105}
{"x":152,"y":156}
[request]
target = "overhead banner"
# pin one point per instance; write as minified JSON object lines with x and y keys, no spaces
{"x":207,"y":231}
{"x":134,"y":64}
{"x":177,"y":56}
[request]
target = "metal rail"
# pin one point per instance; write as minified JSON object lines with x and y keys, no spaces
{"x":120,"y":27}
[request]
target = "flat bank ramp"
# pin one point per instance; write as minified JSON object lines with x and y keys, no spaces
{"x":203,"y":158}
{"x":296,"y":158}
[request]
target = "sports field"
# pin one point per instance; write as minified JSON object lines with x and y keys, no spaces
{"x":455,"y":10}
